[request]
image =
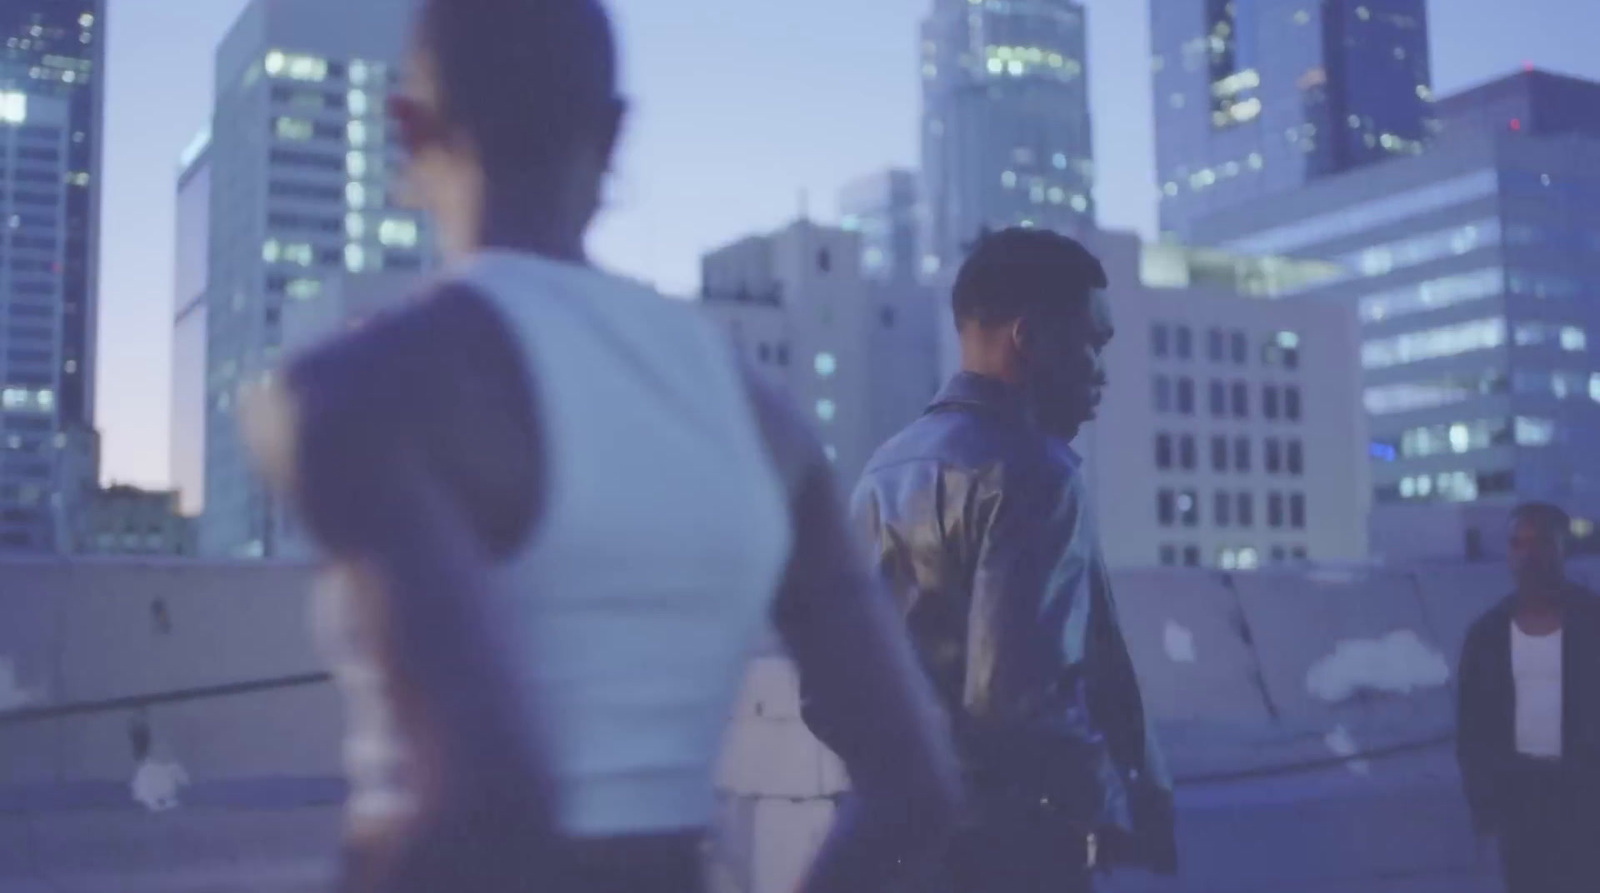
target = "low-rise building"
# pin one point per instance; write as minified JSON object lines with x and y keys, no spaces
{"x":123,"y":520}
{"x":1231,"y":434}
{"x":857,"y":353}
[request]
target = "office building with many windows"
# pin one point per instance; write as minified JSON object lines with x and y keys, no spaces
{"x":56,"y":49}
{"x":51,"y":93}
{"x":1231,"y":434}
{"x":858,"y":355}
{"x":1006,"y":139}
{"x":1256,"y":97}
{"x":1473,"y":271}
{"x":302,"y":188}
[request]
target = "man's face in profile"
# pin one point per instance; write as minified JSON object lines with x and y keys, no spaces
{"x":1064,"y":363}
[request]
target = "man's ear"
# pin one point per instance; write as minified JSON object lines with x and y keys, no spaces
{"x":1021,"y":336}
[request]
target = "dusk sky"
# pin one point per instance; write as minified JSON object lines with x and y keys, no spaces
{"x":740,"y":107}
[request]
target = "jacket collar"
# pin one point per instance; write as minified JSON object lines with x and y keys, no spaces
{"x":968,"y":390}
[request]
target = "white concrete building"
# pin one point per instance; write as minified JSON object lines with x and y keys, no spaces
{"x":860,"y":356}
{"x":1232,"y":434}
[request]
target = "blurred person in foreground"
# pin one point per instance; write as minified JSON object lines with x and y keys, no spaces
{"x":979,"y":520}
{"x":1528,"y":718}
{"x":559,"y":516}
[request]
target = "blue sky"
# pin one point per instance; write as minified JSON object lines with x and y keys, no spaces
{"x":741,"y":108}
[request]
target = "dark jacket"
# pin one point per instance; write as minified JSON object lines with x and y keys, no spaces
{"x":1486,"y":704}
{"x":980,"y":525}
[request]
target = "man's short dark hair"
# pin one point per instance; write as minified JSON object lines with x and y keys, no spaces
{"x":522,"y":77}
{"x":1548,"y":518}
{"x":1015,"y":271}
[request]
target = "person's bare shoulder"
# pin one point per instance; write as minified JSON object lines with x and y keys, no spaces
{"x":440,"y":376}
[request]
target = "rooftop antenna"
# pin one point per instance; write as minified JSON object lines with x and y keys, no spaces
{"x":805,"y":206}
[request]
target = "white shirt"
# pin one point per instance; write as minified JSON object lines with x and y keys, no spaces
{"x":1536,"y":672}
{"x":650,"y":579}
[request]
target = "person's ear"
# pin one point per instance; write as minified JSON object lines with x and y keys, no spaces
{"x":415,"y":123}
{"x":1021,"y":336}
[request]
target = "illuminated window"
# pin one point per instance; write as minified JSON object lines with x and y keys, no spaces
{"x":355,"y":258}
{"x":355,"y":195}
{"x":356,"y":164}
{"x":293,"y":129}
{"x":1008,"y":179}
{"x":271,"y":251}
{"x":826,"y":365}
{"x":13,"y":107}
{"x":358,"y":103}
{"x":296,"y":66}
{"x":398,"y":233}
{"x":1535,"y":432}
{"x":358,"y":72}
{"x":832,"y":452}
{"x":1445,"y":341}
{"x":357,"y":133}
{"x":1573,"y":338}
{"x":827,"y":410}
{"x":355,"y":226}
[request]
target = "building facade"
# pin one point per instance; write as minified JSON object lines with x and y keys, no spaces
{"x":1257,"y":97}
{"x":51,"y":83}
{"x":303,"y":163}
{"x":191,"y":273}
{"x":130,"y":521}
{"x":1472,"y":269}
{"x":1006,"y":139}
{"x":56,"y":49}
{"x":1231,"y":435}
{"x":883,"y":208}
{"x":858,"y":356}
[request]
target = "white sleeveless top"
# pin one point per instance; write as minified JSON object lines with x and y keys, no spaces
{"x":651,"y":573}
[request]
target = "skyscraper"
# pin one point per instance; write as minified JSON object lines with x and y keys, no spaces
{"x":51,"y":69}
{"x":1005,"y":132}
{"x":1255,"y":97}
{"x":302,"y":167}
{"x":187,"y":446}
{"x":1471,"y":269}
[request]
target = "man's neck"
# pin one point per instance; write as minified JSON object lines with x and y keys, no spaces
{"x":1541,"y":599}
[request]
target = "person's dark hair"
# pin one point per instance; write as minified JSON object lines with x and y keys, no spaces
{"x":523,"y":78}
{"x":1551,"y":519}
{"x":1012,"y":272}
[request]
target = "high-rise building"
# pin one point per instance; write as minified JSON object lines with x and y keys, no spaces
{"x":883,"y":209}
{"x":302,"y":188}
{"x":1471,"y":268}
{"x":1256,"y":97}
{"x":56,"y":48}
{"x":859,"y":356}
{"x":51,"y":72}
{"x":187,"y":445}
{"x":1005,"y":132}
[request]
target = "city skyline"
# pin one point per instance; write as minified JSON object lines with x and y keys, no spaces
{"x":673,"y":198}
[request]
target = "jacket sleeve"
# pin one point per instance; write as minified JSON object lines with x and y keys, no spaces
{"x":1474,"y":733}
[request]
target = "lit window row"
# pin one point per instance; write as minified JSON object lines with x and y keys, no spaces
{"x":1411,"y":396}
{"x":297,"y":253}
{"x":1380,"y":260}
{"x":296,"y":66}
{"x":1561,"y":385}
{"x":27,"y":400}
{"x":1538,"y":334}
{"x":1446,"y":291}
{"x":1444,"y":341}
{"x":1018,"y":61}
{"x":1207,"y":177}
{"x":1449,"y":486}
{"x":1442,"y":440}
